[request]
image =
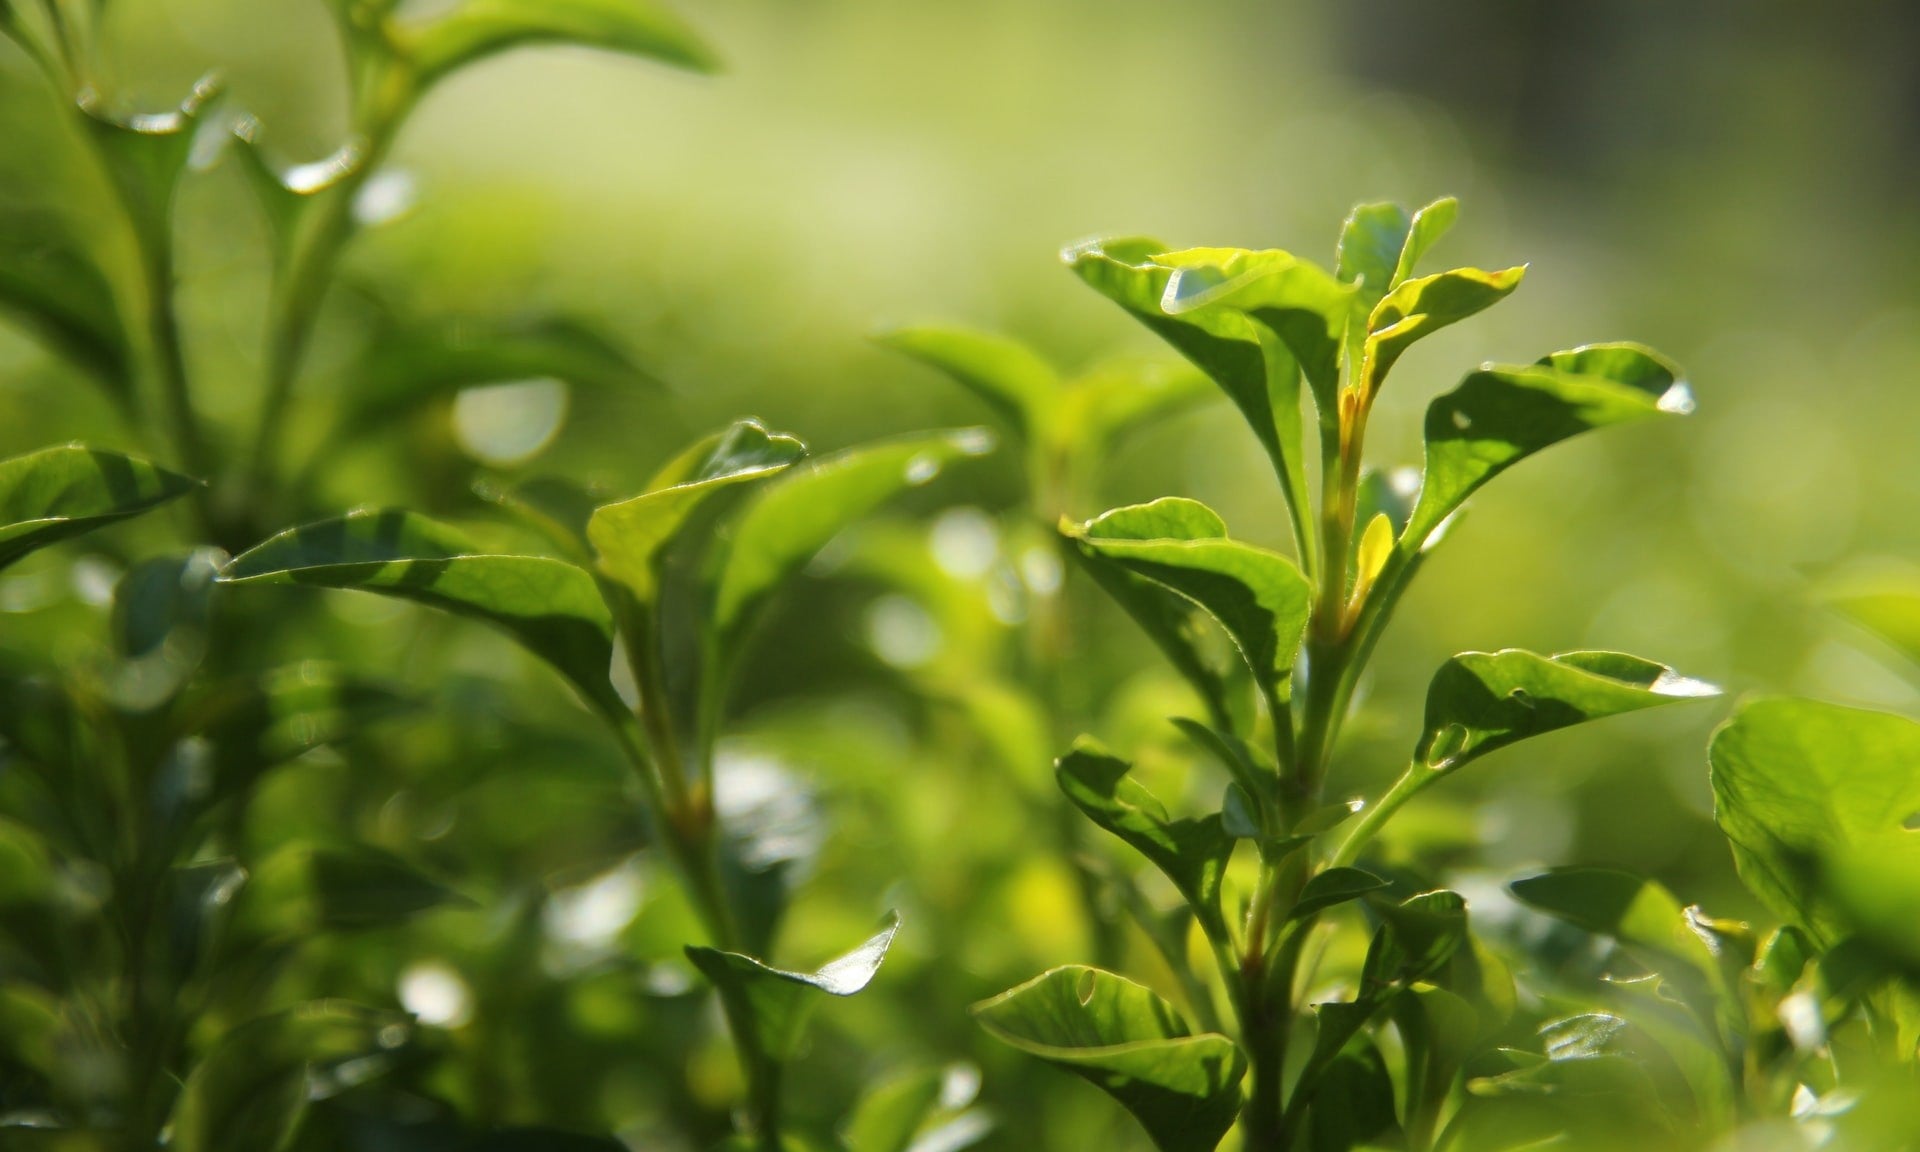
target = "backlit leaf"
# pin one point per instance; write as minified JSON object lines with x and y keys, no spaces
{"x":475,"y":29}
{"x":767,"y":1008}
{"x":57,"y":493}
{"x":551,"y":607}
{"x":1419,"y":308}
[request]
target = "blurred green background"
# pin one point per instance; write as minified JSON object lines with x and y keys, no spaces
{"x":1728,"y":182}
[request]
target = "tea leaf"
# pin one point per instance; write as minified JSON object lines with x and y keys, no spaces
{"x":1297,"y":301}
{"x":1184,"y":1089}
{"x":795,"y":517}
{"x":1251,"y":365}
{"x":631,"y":536}
{"x":1005,"y":374}
{"x":1419,"y":308}
{"x":1481,"y":701}
{"x":551,"y":607}
{"x":1258,"y":597}
{"x":66,"y":302}
{"x":144,"y":155}
{"x":251,"y":1089}
{"x":1370,"y":244}
{"x":58,"y":493}
{"x":1797,"y":782}
{"x":1192,"y":852}
{"x":767,"y":1008}
{"x":1333,"y":887}
{"x":1429,"y":225}
{"x":890,"y":1113}
{"x":1499,"y":416}
{"x":1637,"y":912}
{"x":475,"y":29}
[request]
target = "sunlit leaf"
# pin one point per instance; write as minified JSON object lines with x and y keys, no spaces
{"x":1184,"y":1089}
{"x":1258,"y":597}
{"x":1799,"y":782}
{"x":1370,"y":244}
{"x":767,"y":1008}
{"x":1298,"y":301}
{"x":475,"y":29}
{"x":1419,"y":308}
{"x":1429,"y":225}
{"x":1499,"y":416}
{"x":631,"y":535}
{"x":1251,"y":365}
{"x":550,"y":606}
{"x":1192,"y":852}
{"x":1637,"y":912}
{"x":251,"y":1089}
{"x":1481,"y":701}
{"x":58,"y":493}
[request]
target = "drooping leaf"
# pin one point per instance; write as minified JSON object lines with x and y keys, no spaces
{"x":1481,"y":701}
{"x":1419,"y":308}
{"x":251,"y":1089}
{"x":551,"y":607}
{"x":58,"y":493}
{"x":475,"y":29}
{"x":631,"y":535}
{"x":1184,"y":1089}
{"x":1005,"y":374}
{"x":1499,"y":416}
{"x":1192,"y":852}
{"x":1251,"y":365}
{"x":767,"y":1008}
{"x":1258,"y":597}
{"x":792,"y":519}
{"x":1637,"y":912}
{"x":1797,"y":783}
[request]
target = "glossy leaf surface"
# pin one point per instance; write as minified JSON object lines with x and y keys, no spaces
{"x":1481,"y":701}
{"x":57,"y":493}
{"x":1499,"y":416}
{"x":767,"y":1008}
{"x":1637,"y":912}
{"x":1298,"y":301}
{"x":550,"y":606}
{"x":1184,"y":1089}
{"x":1258,"y":597}
{"x":630,"y":536}
{"x":1419,"y":308}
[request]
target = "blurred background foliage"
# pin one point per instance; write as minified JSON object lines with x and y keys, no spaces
{"x":1728,"y":182}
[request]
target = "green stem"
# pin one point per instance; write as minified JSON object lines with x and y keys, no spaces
{"x":1410,"y":784}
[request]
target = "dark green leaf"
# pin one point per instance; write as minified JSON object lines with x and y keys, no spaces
{"x":1332,"y":887}
{"x":256,"y":724}
{"x":1481,"y":701}
{"x":1798,"y":782}
{"x":1192,"y":852}
{"x":1499,"y":416}
{"x":250,"y":1091}
{"x":632,"y":535}
{"x":550,"y":606}
{"x":767,"y":1008}
{"x":58,"y":493}
{"x":162,"y":598}
{"x":1424,"y":933}
{"x":200,"y":898}
{"x":64,"y":301}
{"x":1184,"y":1089}
{"x":1419,"y":308}
{"x":1353,"y":1102}
{"x":1258,"y":597}
{"x":365,"y":887}
{"x":475,"y":29}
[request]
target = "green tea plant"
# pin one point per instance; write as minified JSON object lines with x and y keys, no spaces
{"x":1803,"y":1035}
{"x":1262,"y":324}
